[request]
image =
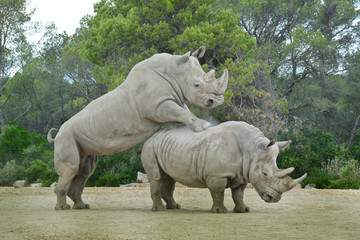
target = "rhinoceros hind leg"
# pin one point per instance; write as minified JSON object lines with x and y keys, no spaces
{"x":238,"y":196}
{"x":167,"y":190}
{"x":157,"y":208}
{"x":61,"y":190}
{"x":78,"y":183}
{"x":156,"y":195}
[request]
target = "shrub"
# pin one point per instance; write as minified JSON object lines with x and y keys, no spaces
{"x":319,"y":177}
{"x":40,"y":172}
{"x":9,"y":173}
{"x":117,"y":169}
{"x":309,"y":150}
{"x":336,"y":174}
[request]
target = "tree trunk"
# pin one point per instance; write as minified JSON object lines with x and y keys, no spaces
{"x":353,"y":133}
{"x":2,"y":122}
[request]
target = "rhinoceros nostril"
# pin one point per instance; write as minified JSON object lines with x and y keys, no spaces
{"x":210,"y":102}
{"x":267,"y":197}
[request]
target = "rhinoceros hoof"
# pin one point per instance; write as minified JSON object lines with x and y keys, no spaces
{"x":62,"y":207}
{"x":241,"y":209}
{"x":81,"y":206}
{"x":173,"y":206}
{"x":158,"y":208}
{"x":200,"y":125}
{"x":219,"y":209}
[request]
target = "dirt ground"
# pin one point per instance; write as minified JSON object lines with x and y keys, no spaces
{"x":124,"y":213}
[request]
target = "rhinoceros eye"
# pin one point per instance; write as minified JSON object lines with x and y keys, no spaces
{"x":265,"y":174}
{"x":197,"y":85}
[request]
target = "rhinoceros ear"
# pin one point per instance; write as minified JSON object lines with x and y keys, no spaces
{"x":183,"y":58}
{"x":199,"y":53}
{"x":264,"y":144}
{"x":283,"y":145}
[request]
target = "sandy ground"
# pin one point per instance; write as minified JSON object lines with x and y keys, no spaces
{"x":124,"y":213}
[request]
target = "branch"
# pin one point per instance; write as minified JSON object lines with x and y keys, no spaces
{"x":21,"y":114}
{"x":353,"y":133}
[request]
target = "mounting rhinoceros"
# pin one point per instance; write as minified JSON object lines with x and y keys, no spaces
{"x":154,"y":93}
{"x":230,"y":155}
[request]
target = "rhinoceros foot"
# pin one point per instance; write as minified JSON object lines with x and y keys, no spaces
{"x":218,"y":209}
{"x":173,"y":205}
{"x":62,"y":206}
{"x":158,"y":208}
{"x":81,"y":206}
{"x":241,"y":209}
{"x":200,"y":125}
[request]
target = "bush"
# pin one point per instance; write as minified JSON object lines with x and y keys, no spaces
{"x":9,"y":173}
{"x":309,"y":150}
{"x":319,"y":178}
{"x":117,"y":169}
{"x":336,"y":174}
{"x":40,"y":172}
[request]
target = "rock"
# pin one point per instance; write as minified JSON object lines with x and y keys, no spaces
{"x":310,"y":186}
{"x":142,"y":178}
{"x":135,"y":185}
{"x":53,"y":184}
{"x":33,"y":185}
{"x":19,"y":184}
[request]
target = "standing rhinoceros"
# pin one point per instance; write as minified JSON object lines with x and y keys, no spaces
{"x":230,"y":155}
{"x":154,"y":93}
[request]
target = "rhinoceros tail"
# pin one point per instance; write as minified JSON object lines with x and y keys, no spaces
{"x":49,"y":138}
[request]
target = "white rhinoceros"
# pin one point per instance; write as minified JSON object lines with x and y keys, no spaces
{"x":230,"y":155}
{"x":154,"y":93}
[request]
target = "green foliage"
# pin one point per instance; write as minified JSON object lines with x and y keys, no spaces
{"x":40,"y":172}
{"x":25,"y":155}
{"x":10,"y":173}
{"x":117,"y":169}
{"x":310,"y":149}
{"x":336,"y":174}
{"x":319,"y":178}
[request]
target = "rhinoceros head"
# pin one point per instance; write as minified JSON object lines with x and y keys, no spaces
{"x":268,"y":180}
{"x":200,"y":88}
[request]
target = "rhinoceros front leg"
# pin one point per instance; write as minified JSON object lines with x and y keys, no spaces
{"x":170,"y":111}
{"x":217,"y":189}
{"x":238,"y":196}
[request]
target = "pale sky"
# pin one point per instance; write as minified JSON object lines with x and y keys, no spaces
{"x":66,"y":14}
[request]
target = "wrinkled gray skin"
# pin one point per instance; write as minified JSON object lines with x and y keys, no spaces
{"x":230,"y":155}
{"x":154,"y":93}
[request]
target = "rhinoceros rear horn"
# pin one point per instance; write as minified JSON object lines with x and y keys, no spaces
{"x":220,"y":84}
{"x":284,"y":172}
{"x":183,"y":58}
{"x":199,"y":53}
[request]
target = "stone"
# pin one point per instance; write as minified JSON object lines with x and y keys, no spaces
{"x":19,"y":184}
{"x":142,"y":178}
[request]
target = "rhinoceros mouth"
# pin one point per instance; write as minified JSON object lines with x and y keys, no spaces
{"x":270,"y":198}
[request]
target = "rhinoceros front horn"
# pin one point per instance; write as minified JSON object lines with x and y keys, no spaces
{"x":293,"y":182}
{"x":220,"y":84}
